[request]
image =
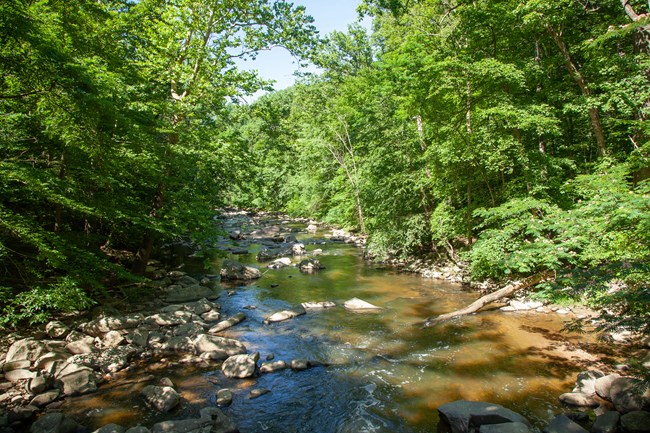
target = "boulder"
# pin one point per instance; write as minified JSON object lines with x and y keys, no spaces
{"x":224,"y":397}
{"x":183,"y":344}
{"x":298,"y":249}
{"x":510,"y":427}
{"x":55,"y":422}
{"x":212,"y":343}
{"x":228,"y":323}
{"x":81,"y":346}
{"x":300,"y":364}
{"x":602,"y":385}
{"x":240,"y":366}
{"x":76,"y":379}
{"x":138,"y":429}
{"x":56,"y":329}
{"x":586,"y":381}
{"x":460,"y":415}
{"x":50,"y":360}
{"x":257,"y":392}
{"x":578,"y":399}
{"x":318,"y":305}
{"x":563,"y":424}
{"x":108,"y":361}
{"x":102,"y":325}
{"x":188,"y":329}
{"x":282,"y":262}
{"x":626,"y":395}
{"x":606,"y":423}
{"x":211,"y":316}
{"x":112,"y":339}
{"x":310,"y":265}
{"x":45,"y":398}
{"x":212,"y":420}
{"x":19,"y":374}
{"x":161,"y":398}
{"x":281,"y":316}
{"x":25,"y":349}
{"x":312,"y":228}
{"x":110,"y":428}
{"x":40,"y":383}
{"x":169,"y":319}
{"x":138,"y":337}
{"x":232,"y":270}
{"x":271,"y":367}
{"x":357,"y":304}
{"x":636,"y":422}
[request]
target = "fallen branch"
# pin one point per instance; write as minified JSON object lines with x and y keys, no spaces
{"x":491,"y":297}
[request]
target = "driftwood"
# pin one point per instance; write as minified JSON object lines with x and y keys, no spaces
{"x":491,"y":297}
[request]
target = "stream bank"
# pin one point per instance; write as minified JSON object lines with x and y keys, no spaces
{"x":368,"y":370}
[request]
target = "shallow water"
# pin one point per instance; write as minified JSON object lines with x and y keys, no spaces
{"x":380,"y":371}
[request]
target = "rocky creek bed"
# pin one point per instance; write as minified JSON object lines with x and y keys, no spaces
{"x":184,"y":330}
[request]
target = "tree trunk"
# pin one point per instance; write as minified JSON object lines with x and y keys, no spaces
{"x":491,"y":297}
{"x":584,"y":88}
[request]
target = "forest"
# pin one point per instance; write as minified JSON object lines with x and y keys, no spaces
{"x":507,"y":137}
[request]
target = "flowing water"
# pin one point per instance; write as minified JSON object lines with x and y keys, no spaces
{"x":379,"y":371}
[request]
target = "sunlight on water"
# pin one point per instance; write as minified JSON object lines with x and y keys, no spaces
{"x":380,"y":371}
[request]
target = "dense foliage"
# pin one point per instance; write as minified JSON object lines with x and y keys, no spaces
{"x":109,"y":134}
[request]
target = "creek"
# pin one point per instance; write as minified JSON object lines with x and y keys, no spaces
{"x":375,"y":371}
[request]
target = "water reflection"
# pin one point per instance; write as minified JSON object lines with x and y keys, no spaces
{"x":380,"y":371}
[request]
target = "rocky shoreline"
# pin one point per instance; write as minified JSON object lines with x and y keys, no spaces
{"x":184,"y":320}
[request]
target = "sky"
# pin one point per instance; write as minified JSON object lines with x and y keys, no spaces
{"x":278,"y":65}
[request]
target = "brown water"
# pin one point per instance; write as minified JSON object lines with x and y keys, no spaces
{"x":381,"y":371}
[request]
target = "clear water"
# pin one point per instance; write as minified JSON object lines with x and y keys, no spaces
{"x":380,"y":371}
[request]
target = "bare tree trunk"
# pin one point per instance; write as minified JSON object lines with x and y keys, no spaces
{"x":491,"y":297}
{"x":584,"y":88}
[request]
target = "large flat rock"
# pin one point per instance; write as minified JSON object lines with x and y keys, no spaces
{"x":460,"y":415}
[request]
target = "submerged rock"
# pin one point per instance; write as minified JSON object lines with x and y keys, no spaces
{"x":212,"y":420}
{"x":310,"y":265}
{"x":563,"y":424}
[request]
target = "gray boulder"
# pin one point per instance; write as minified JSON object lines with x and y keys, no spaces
{"x":586,"y":381}
{"x":510,"y":427}
{"x":138,"y":429}
{"x":212,"y":421}
{"x":76,"y":379}
{"x":232,"y":270}
{"x":310,"y":265}
{"x":110,"y":428}
{"x":563,"y":424}
{"x":212,"y":343}
{"x":55,"y":422}
{"x":636,"y":422}
{"x":271,"y":367}
{"x":161,"y":398}
{"x":606,"y":423}
{"x":25,"y":349}
{"x":626,"y":395}
{"x":460,"y":415}
{"x":578,"y":399}
{"x":224,"y":397}
{"x":40,"y":383}
{"x":228,"y":323}
{"x":240,"y":366}
{"x":56,"y":329}
{"x":602,"y":385}
{"x":45,"y":398}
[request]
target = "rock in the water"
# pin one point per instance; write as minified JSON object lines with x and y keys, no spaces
{"x":626,"y":396}
{"x":271,"y":367}
{"x":300,"y":364}
{"x":77,"y":379}
{"x":281,"y":316}
{"x":310,"y":265}
{"x":232,"y":270}
{"x":298,"y":249}
{"x":606,"y":423}
{"x":56,"y":329}
{"x":161,"y":398}
{"x":55,"y":422}
{"x":317,"y":305}
{"x":138,"y":429}
{"x":228,"y":323}
{"x":45,"y":398}
{"x":579,"y":399}
{"x":312,"y":228}
{"x":510,"y":427}
{"x":25,"y":349}
{"x":258,"y":392}
{"x":636,"y":422}
{"x":458,"y":415}
{"x":110,"y":428}
{"x":212,"y":420}
{"x":212,"y":343}
{"x":282,"y":262}
{"x":562,"y":424}
{"x":602,"y":385}
{"x":358,"y":304}
{"x":586,"y":381}
{"x":240,"y":366}
{"x":224,"y":397}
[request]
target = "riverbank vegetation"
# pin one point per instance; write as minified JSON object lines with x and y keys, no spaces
{"x":509,"y":137}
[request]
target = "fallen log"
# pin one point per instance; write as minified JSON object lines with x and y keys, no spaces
{"x":491,"y":297}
